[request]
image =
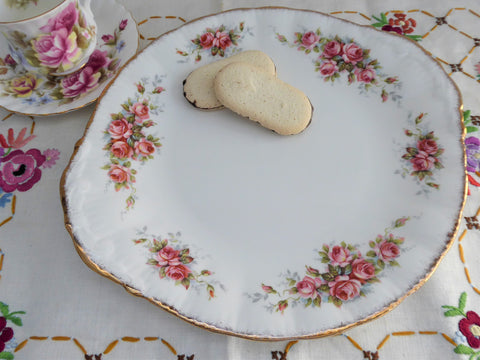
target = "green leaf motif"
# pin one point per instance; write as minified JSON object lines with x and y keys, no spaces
{"x":6,"y":355}
{"x":462,"y":301}
{"x":463,"y":349}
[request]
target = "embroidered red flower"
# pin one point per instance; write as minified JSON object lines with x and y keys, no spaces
{"x":406,"y":24}
{"x":470,"y":327}
{"x":21,"y":170}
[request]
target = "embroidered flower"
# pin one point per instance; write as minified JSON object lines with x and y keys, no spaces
{"x":472,"y":145}
{"x":15,"y":143}
{"x":6,"y":333}
{"x":51,"y":157}
{"x":5,"y":198}
{"x":21,"y":170}
{"x":470,"y":327}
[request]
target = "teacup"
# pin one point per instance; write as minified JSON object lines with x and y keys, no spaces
{"x":51,"y":37}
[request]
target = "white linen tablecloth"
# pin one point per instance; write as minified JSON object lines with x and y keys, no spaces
{"x":67,"y":311}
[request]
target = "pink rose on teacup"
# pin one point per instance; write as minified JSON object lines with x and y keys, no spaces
{"x":80,"y":82}
{"x":57,"y":49}
{"x":144,"y":148}
{"x":120,"y":129}
{"x":177,"y":272}
{"x":328,"y":68}
{"x":119,"y":174}
{"x":352,"y":53}
{"x":423,"y":161}
{"x":98,"y":60}
{"x":167,"y":256}
{"x":65,"y":20}
{"x":140,"y":110}
{"x":206,"y":40}
{"x":366,"y":75}
{"x":344,"y":288}
{"x":387,"y":251}
{"x":339,"y":256}
{"x":310,"y":39}
{"x":307,"y":288}
{"x":121,"y":149}
{"x":331,"y":49}
{"x":362,"y":270}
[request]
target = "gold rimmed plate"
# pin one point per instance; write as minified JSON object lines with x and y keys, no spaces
{"x":245,"y":232}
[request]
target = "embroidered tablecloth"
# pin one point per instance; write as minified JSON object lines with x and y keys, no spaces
{"x":53,"y":307}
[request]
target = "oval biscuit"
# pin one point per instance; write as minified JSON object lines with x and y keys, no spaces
{"x":263,"y":98}
{"x":198,"y":86}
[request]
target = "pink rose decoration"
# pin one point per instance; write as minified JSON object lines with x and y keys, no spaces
{"x":340,"y":256}
{"x":120,"y":129}
{"x":362,"y":270}
{"x":423,"y":161}
{"x":331,"y":49}
{"x":206,"y":40}
{"x":144,"y":147}
{"x":177,"y":272}
{"x":366,"y":75}
{"x":20,"y":170}
{"x":352,"y":53}
{"x":307,"y":288}
{"x":222,"y":40}
{"x":344,"y":288}
{"x":119,"y":174}
{"x":97,"y":60}
{"x":120,"y":149}
{"x":309,"y":39}
{"x":428,"y":145}
{"x":107,"y":38}
{"x":80,"y":82}
{"x":387,"y":251}
{"x":167,"y":256}
{"x":65,"y":20}
{"x":328,"y":68}
{"x":140,"y":111}
{"x":123,"y":24}
{"x":57,"y":49}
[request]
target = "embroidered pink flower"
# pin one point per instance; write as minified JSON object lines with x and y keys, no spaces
{"x":362,"y":270}
{"x":15,"y":143}
{"x":120,"y":129}
{"x":470,"y":327}
{"x":328,"y":68}
{"x":57,"y":49}
{"x":206,"y":40}
{"x":344,"y":288}
{"x":65,"y":20}
{"x":144,"y":148}
{"x":120,"y":175}
{"x":423,"y":161}
{"x":21,"y":170}
{"x":366,"y":75}
{"x":167,"y":256}
{"x":120,"y":149}
{"x":141,"y":112}
{"x":427,"y":145}
{"x":310,"y":39}
{"x":51,"y":157}
{"x":387,"y":251}
{"x":331,"y":49}
{"x":307,"y":288}
{"x":177,"y":272}
{"x":340,"y":256}
{"x":80,"y":82}
{"x":222,"y":40}
{"x":352,"y":53}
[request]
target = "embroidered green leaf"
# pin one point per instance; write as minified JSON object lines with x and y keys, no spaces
{"x":462,"y":301}
{"x":4,"y":309}
{"x":6,"y":355}
{"x":471,"y":129}
{"x":463,"y":349}
{"x":453,"y":312}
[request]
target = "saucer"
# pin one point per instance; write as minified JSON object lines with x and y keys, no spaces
{"x":29,"y":93}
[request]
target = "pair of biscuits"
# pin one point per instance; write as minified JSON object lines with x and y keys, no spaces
{"x":246,"y":84}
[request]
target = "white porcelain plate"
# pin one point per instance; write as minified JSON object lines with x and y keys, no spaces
{"x":31,"y":93}
{"x":246,"y":232}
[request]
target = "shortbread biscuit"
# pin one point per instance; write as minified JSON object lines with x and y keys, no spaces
{"x":261,"y":97}
{"x":198,"y":86}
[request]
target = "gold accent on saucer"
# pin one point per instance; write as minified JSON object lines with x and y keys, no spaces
{"x":203,"y":325}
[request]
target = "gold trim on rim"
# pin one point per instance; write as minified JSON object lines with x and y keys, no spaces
{"x":432,"y":267}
